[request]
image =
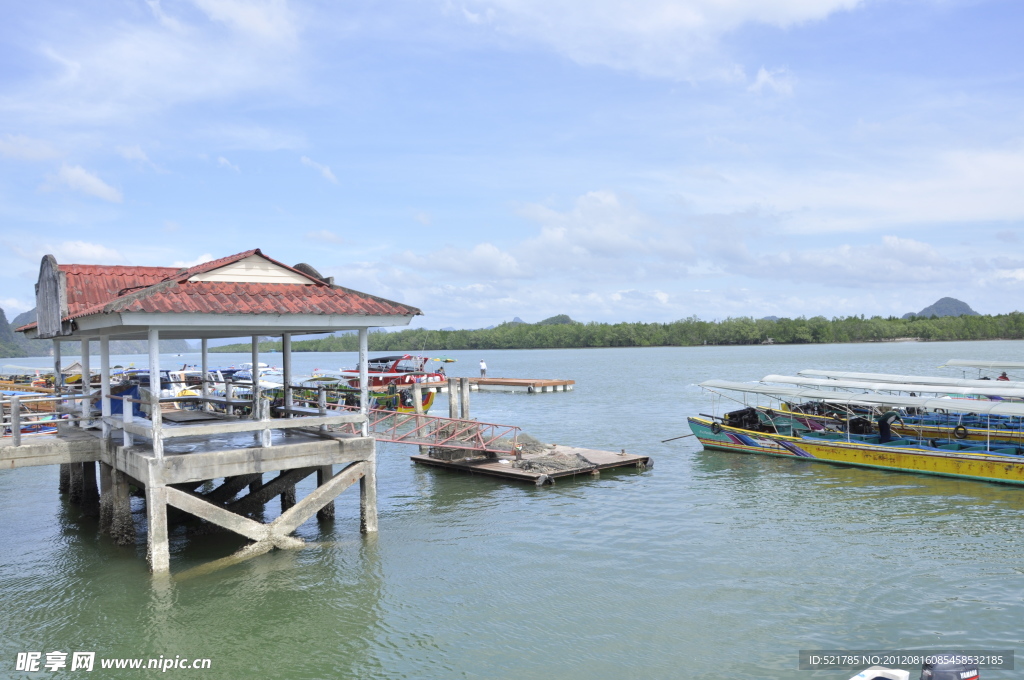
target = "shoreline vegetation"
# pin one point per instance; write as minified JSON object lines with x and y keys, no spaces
{"x":561,"y":332}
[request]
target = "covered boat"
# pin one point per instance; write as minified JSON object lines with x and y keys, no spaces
{"x":754,"y":430}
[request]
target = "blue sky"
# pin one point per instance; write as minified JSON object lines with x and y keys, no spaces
{"x":483,"y":159}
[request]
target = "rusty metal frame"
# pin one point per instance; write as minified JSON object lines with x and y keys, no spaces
{"x":424,"y":430}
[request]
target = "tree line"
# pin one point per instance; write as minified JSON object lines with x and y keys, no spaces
{"x":685,"y":332}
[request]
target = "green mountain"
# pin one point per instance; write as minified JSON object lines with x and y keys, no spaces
{"x":17,"y":345}
{"x":947,"y":306}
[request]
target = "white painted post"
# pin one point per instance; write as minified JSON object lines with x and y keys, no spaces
{"x":204,"y":368}
{"x":158,"y":550}
{"x":321,"y":403}
{"x":154,"y":401}
{"x":464,"y":396}
{"x":58,"y":377}
{"x":453,"y":398}
{"x":286,"y":354}
{"x":229,"y":394}
{"x":105,"y":385}
{"x":364,"y":379}
{"x":255,"y":377}
{"x":127,"y":418}
{"x":16,"y":421}
{"x":86,"y":383}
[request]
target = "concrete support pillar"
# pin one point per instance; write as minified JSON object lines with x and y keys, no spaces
{"x":106,"y":497}
{"x":58,"y":376}
{"x":453,"y":397}
{"x":86,"y":383}
{"x":156,"y":415}
{"x":204,"y":363}
{"x":90,"y":490}
{"x":75,"y":490}
{"x":257,"y":482}
{"x":364,"y":377}
{"x":323,"y":474}
{"x":105,"y":386}
{"x":158,"y":551}
{"x":122,"y":526}
{"x":64,"y":481}
{"x":255,"y":371}
{"x":286,"y":356}
{"x":464,"y":395}
{"x":368,"y":495}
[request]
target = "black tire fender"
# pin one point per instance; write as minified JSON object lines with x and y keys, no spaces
{"x":960,"y":432}
{"x":715,"y":428}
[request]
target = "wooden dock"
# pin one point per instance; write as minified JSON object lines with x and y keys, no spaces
{"x":528,"y":385}
{"x":590,"y":462}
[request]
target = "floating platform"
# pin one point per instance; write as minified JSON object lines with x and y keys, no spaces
{"x":528,"y":385}
{"x":591,"y":462}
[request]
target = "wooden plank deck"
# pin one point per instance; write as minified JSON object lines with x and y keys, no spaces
{"x":502,"y":465}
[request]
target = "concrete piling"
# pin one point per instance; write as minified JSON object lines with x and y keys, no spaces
{"x":64,"y":484}
{"x":122,"y":526}
{"x":90,"y":490}
{"x":106,"y":497}
{"x":323,"y":474}
{"x":288,"y":498}
{"x":76,"y":480}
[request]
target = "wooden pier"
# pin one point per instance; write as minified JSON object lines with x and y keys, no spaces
{"x":528,"y":385}
{"x":532,"y":467}
{"x":177,"y":457}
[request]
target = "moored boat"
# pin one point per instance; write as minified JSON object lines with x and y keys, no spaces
{"x":751,"y":430}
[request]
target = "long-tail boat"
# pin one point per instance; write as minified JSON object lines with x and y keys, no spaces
{"x":750,"y":430}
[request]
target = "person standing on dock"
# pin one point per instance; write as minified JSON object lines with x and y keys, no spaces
{"x":483,"y":368}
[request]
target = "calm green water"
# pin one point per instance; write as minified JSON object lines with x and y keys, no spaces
{"x":710,"y":565}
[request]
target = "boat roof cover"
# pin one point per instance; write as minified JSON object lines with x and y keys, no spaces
{"x":993,"y":365}
{"x":908,"y":379}
{"x":987,"y":388}
{"x":867,"y":399}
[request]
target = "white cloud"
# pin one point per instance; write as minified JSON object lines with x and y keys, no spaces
{"x":113,"y":72}
{"x":325,"y":236}
{"x":136,"y":154}
{"x":83,"y":252}
{"x":25,"y":148}
{"x":187,"y":264}
{"x":266,"y":19}
{"x":79,"y":179}
{"x":423,"y":217}
{"x":225,"y":163}
{"x":779,"y":81}
{"x":658,"y":37}
{"x":13,"y":306}
{"x":324,"y":171}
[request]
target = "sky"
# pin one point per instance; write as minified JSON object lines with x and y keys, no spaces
{"x":648,"y":160}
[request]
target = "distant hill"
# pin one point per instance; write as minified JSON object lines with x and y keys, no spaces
{"x":947,"y":306}
{"x":17,"y":345}
{"x":556,"y":320}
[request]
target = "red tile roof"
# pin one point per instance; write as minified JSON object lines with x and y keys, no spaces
{"x":97,"y":289}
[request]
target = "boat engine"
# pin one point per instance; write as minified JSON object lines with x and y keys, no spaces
{"x":745,"y":419}
{"x":860,"y":425}
{"x":949,"y":671}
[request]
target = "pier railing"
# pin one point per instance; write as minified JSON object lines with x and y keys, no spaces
{"x":24,"y":415}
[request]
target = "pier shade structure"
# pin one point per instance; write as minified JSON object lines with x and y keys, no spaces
{"x":179,"y":462}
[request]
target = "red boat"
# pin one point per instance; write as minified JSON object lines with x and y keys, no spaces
{"x":404,"y":369}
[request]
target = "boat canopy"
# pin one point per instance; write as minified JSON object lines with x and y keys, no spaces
{"x":866,"y":399}
{"x":988,"y":388}
{"x":991,"y":365}
{"x":909,"y":379}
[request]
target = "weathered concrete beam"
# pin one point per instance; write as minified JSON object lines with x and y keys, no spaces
{"x":323,"y":474}
{"x":199,"y":465}
{"x":257,"y":499}
{"x":82,"y":447}
{"x":307,"y":507}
